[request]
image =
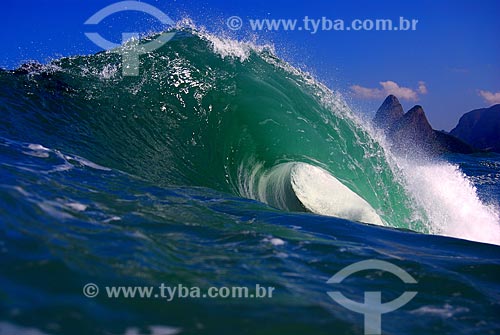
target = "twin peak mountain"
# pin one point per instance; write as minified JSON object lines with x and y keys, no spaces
{"x":411,"y":131}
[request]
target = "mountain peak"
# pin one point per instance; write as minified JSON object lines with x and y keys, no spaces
{"x":389,"y":112}
{"x":411,"y":131}
{"x":391,"y":98}
{"x":417,"y":114}
{"x":413,"y":126}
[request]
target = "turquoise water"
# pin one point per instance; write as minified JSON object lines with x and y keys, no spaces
{"x":190,"y":174}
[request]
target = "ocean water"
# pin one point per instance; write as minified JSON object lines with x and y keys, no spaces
{"x":222,"y":165}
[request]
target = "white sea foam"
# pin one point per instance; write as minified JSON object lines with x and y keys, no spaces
{"x":225,"y":46}
{"x":450,"y":201}
{"x":324,"y":194}
{"x":77,"y":206}
{"x":446,"y":196}
{"x":37,"y":147}
{"x":274,"y":241}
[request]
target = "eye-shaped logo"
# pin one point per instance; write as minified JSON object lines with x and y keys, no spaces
{"x":372,"y":308}
{"x":131,"y":51}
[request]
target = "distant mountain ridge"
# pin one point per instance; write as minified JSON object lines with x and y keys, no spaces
{"x":480,"y":128}
{"x":411,"y":131}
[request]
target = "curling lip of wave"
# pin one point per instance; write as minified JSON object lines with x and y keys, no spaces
{"x":322,"y":193}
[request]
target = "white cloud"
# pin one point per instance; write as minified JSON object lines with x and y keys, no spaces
{"x":390,"y":87}
{"x":405,"y":93}
{"x":490,"y":97}
{"x":422,"y":88}
{"x":367,"y":93}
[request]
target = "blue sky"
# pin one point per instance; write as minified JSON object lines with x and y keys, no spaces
{"x":453,"y":56}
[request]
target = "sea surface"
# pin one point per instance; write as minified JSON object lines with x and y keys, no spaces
{"x":222,"y":165}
